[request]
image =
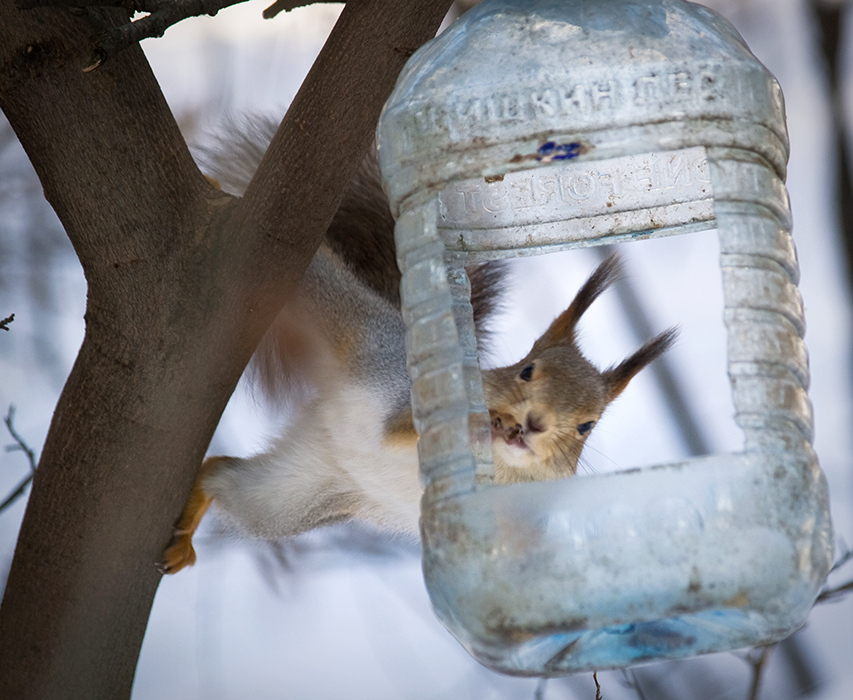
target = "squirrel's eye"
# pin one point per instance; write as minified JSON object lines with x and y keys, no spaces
{"x":526,"y":373}
{"x":584,"y":428}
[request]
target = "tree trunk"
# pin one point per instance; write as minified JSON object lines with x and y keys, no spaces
{"x":182,"y":282}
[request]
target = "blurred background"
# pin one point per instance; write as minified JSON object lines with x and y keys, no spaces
{"x":342,"y":612}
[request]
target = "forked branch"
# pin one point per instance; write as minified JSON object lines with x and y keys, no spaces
{"x":18,"y":445}
{"x":159,"y":15}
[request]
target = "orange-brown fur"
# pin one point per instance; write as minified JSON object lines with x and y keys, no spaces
{"x":351,"y":450}
{"x":544,"y":406}
{"x":180,"y":552}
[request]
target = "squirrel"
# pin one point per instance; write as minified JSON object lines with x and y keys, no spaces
{"x":338,"y":347}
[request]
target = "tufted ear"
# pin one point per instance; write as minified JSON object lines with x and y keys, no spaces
{"x":617,"y":378}
{"x":562,"y":329}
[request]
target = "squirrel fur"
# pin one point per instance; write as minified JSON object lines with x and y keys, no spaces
{"x":338,"y":346}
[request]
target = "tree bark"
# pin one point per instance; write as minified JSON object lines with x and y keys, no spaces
{"x":182,"y":282}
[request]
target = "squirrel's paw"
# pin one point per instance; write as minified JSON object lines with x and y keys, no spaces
{"x":179,"y":554}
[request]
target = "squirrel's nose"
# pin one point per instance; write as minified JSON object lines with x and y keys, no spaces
{"x":534,"y":424}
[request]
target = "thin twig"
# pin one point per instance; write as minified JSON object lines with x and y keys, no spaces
{"x":597,"y":685}
{"x":758,"y":664}
{"x":22,"y":446}
{"x":4,"y":324}
{"x":539,"y":694}
{"x":845,"y":556}
{"x":159,"y":16}
{"x":829,"y":595}
{"x":16,"y":493}
{"x":832,"y":594}
{"x":115,"y":39}
{"x":288,"y":5}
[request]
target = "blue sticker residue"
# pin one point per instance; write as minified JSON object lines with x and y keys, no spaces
{"x":549,"y":151}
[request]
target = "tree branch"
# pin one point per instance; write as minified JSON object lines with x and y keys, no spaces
{"x":182,"y":282}
{"x":21,"y":446}
{"x":288,"y":5}
{"x":162,"y":15}
{"x":159,"y":16}
{"x":324,"y":135}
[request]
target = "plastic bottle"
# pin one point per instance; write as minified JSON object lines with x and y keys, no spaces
{"x":539,"y":125}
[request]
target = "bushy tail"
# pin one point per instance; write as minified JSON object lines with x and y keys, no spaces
{"x":361,"y":233}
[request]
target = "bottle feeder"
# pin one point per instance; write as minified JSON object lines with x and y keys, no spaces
{"x":531,"y":126}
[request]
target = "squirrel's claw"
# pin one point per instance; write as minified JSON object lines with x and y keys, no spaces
{"x":179,"y":554}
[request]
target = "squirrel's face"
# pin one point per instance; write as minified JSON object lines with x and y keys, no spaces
{"x":543,"y":408}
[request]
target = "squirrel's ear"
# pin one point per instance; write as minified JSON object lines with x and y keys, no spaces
{"x":562,"y":329}
{"x":617,"y":378}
